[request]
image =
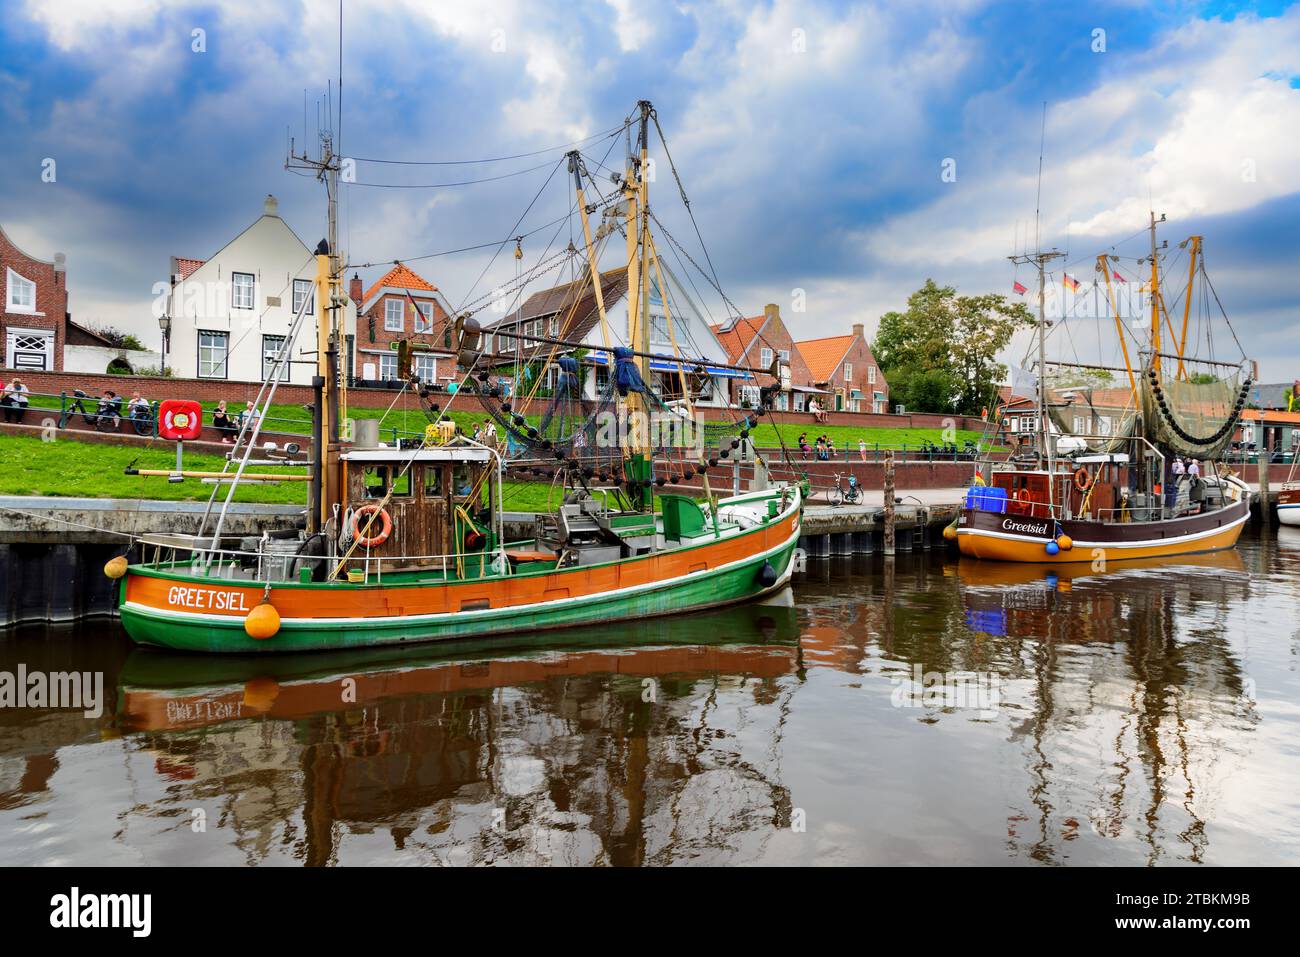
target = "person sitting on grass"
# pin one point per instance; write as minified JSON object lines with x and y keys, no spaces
{"x":803,"y":444}
{"x":14,"y":400}
{"x":221,"y":420}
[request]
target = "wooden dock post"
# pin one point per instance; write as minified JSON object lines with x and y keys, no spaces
{"x":1265,"y":451}
{"x":889,"y":503}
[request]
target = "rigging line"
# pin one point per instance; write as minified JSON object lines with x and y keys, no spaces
{"x":1226,"y":320}
{"x":452,"y":252}
{"x":612,"y":132}
{"x":64,"y":521}
{"x":654,"y":114}
{"x":465,"y":182}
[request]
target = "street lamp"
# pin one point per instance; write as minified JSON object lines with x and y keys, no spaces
{"x":165,"y":324}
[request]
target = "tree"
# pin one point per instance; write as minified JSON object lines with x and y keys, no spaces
{"x":940,"y":355}
{"x":117,"y":338}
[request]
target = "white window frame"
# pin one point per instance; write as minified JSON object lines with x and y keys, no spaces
{"x":268,"y":356}
{"x":848,"y":373}
{"x":422,"y":361}
{"x":388,"y":365}
{"x":222,"y":366}
{"x":423,"y":316}
{"x":659,"y":330}
{"x":391,"y":323}
{"x":765,"y":357}
{"x":14,"y":282}
{"x":871,"y":375}
{"x":784,"y":354}
{"x":301,"y":288}
{"x":237,"y":300}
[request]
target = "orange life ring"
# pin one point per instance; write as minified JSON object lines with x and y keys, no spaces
{"x":385,"y":529}
{"x":1082,"y":480}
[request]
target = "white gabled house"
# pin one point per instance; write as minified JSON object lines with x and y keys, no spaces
{"x":230,"y":314}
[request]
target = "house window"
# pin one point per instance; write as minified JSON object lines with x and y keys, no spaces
{"x":241,"y":294}
{"x":659,"y":330}
{"x":871,"y":375}
{"x":555,"y":326}
{"x":388,"y":365}
{"x":271,"y":346}
{"x":22,"y":293}
{"x":425,"y":366}
{"x":302,"y":291}
{"x":393,"y":310}
{"x":765,"y":358}
{"x":424,"y":317}
{"x":848,"y":372}
{"x":212,"y":354}
{"x":505,"y":343}
{"x":784,"y":354}
{"x":30,"y":349}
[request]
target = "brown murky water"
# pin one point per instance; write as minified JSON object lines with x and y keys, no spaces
{"x":1147,"y":715}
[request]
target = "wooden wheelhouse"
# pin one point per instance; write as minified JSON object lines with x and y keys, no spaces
{"x":441,"y":501}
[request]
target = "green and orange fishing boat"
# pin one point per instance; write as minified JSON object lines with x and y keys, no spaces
{"x":408,"y":543}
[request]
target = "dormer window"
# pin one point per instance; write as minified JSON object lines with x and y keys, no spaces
{"x":21,"y":295}
{"x":393,"y":314}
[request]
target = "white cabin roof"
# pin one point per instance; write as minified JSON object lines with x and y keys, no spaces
{"x":445,"y":453}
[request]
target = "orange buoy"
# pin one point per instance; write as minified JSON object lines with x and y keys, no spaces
{"x":1066,"y":542}
{"x":360,"y":520}
{"x":262,"y":622}
{"x":950,"y":532}
{"x":1082,"y":480}
{"x":115,"y":567}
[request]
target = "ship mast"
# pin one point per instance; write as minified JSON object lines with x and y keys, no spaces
{"x":1155,"y":295}
{"x":1039,"y":260}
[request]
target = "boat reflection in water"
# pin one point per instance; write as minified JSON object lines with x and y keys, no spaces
{"x":544,"y":751}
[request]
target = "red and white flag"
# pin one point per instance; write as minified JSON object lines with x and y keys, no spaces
{"x":1119,"y":278}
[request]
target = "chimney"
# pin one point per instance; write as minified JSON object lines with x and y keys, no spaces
{"x":271,"y":206}
{"x":355,"y":292}
{"x":859,"y":331}
{"x":772,"y":311}
{"x":60,"y":262}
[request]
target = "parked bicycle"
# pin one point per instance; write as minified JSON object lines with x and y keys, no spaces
{"x":849,"y":493}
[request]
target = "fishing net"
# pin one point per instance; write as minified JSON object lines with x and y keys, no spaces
{"x":1192,"y":415}
{"x":1092,"y":407}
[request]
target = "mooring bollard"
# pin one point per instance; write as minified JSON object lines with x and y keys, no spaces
{"x":1264,"y":453}
{"x":889,"y":502}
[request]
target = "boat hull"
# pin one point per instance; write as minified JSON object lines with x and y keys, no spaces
{"x":191,"y":613}
{"x":1288,"y":506}
{"x":1009,"y":538}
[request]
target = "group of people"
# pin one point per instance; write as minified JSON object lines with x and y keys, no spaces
{"x":229,"y":425}
{"x":1180,"y":468}
{"x":485,"y":433}
{"x":823,"y":449}
{"x":818,"y":413}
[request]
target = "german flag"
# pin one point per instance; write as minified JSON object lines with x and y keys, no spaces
{"x":1071,"y":283}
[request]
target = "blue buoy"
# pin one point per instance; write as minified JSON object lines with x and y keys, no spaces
{"x":1053,"y":548}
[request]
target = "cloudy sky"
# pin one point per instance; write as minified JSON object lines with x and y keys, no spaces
{"x":812,"y":137}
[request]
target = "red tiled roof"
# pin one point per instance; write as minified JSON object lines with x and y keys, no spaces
{"x":823,"y":356}
{"x":737,"y":335}
{"x":186,"y":267}
{"x":400,"y":277}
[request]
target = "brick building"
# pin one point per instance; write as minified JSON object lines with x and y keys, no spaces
{"x":845,"y":368}
{"x":403,"y":305}
{"x":755,"y":342}
{"x":33,"y":322}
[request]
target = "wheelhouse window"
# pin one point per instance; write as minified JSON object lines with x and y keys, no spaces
{"x":433,"y":481}
{"x":241,"y":290}
{"x":380,"y":480}
{"x":393,"y":311}
{"x":271,"y":346}
{"x":213,"y":347}
{"x":303,"y":292}
{"x":21,"y":295}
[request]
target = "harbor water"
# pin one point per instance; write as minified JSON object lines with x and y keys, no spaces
{"x":926,"y":711}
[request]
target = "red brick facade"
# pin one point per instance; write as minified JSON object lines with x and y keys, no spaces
{"x":47,"y":313}
{"x":375,"y":336}
{"x":755,"y":342}
{"x":844,"y":367}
